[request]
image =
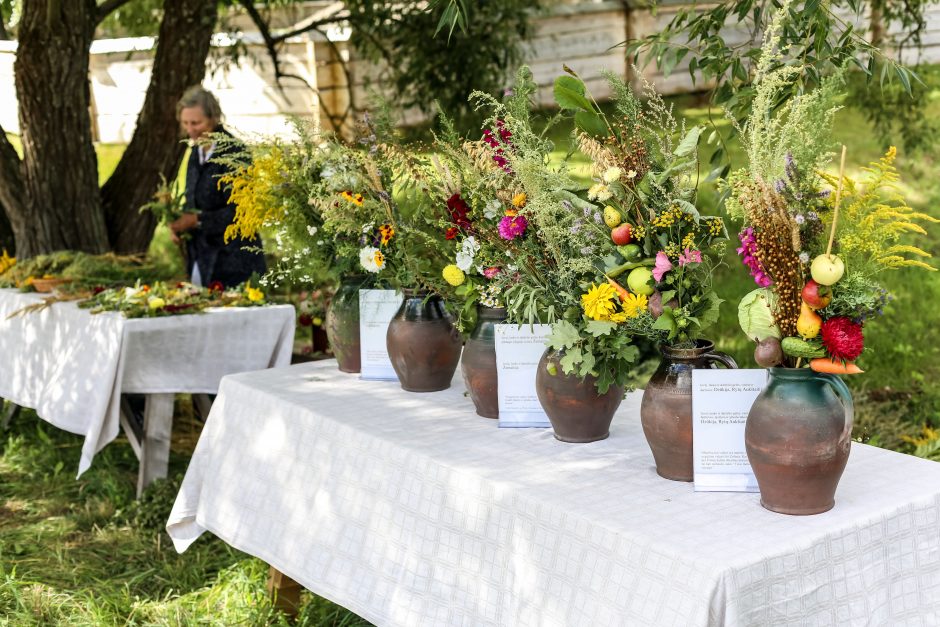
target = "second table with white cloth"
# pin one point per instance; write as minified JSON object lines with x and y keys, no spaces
{"x":72,"y":366}
{"x":409,"y":509}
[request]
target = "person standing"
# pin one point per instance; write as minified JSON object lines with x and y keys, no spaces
{"x":210,"y":258}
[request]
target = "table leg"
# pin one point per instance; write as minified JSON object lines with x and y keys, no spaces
{"x":202,"y":403}
{"x":155,"y":447}
{"x":12,"y":409}
{"x":284,"y":591}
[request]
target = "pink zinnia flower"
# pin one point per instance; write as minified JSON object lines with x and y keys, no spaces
{"x":690,"y":256}
{"x":491,"y":272}
{"x":511,"y":227}
{"x":663,"y":265}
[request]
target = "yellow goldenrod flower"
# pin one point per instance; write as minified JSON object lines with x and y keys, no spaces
{"x":599,"y":302}
{"x":454,"y":275}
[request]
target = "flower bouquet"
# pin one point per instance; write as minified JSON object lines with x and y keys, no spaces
{"x":556,"y":273}
{"x":816,"y":245}
{"x":658,"y":277}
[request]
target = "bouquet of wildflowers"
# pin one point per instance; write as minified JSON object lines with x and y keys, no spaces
{"x":557,"y":248}
{"x":659,"y":272}
{"x":816,"y":244}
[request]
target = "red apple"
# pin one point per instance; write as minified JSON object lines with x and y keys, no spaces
{"x":622,"y":235}
{"x":816,"y":296}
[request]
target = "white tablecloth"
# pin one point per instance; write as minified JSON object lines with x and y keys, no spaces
{"x":411,"y":510}
{"x":72,"y":366}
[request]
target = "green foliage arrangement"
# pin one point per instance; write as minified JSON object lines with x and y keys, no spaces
{"x":813,"y":304}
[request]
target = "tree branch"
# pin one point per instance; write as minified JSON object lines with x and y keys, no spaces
{"x":108,"y":7}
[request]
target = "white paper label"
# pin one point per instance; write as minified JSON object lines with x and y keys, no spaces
{"x":518,"y":350}
{"x":721,"y":400}
{"x":376,"y":310}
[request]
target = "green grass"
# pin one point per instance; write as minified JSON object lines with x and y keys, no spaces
{"x":86,"y":553}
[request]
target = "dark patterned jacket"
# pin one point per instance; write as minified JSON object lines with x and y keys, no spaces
{"x":229,"y":263}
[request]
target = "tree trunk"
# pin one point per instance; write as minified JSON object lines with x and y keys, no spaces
{"x":62,"y":204}
{"x":156,"y":149}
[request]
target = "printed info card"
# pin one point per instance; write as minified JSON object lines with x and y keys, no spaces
{"x":376,"y":310}
{"x":721,"y":400}
{"x":518,"y":350}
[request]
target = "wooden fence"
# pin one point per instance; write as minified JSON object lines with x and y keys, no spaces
{"x":584,"y":35}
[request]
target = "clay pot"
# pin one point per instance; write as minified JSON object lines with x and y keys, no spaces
{"x":422,"y":343}
{"x":666,"y":410}
{"x":478,"y":363}
{"x":577,"y":412}
{"x":798,"y":436}
{"x":342,"y":323}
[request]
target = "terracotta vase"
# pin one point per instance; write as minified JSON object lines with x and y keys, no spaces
{"x":577,"y":412}
{"x":478,"y":362}
{"x":666,"y":409}
{"x":423,"y":345}
{"x":342,"y":323}
{"x":798,"y":436}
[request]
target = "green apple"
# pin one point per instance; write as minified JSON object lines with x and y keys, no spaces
{"x":639,"y":281}
{"x":827,"y":269}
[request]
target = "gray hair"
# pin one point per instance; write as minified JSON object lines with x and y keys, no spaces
{"x":198,"y":96}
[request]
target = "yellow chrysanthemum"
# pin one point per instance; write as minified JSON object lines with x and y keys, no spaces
{"x":454,"y":275}
{"x":599,"y":302}
{"x":254,"y":294}
{"x":634,"y":305}
{"x":519,"y":200}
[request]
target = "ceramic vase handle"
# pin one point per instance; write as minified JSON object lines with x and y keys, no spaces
{"x":722,"y":358}
{"x":845,"y":395}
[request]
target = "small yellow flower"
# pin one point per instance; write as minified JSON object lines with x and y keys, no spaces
{"x":511,"y":213}
{"x":599,"y":302}
{"x":519,"y":200}
{"x":254,"y":294}
{"x":386,"y":232}
{"x":631,"y":174}
{"x":634,"y":305}
{"x":317,"y":321}
{"x":355,"y":199}
{"x":454,"y":275}
{"x":155,"y":303}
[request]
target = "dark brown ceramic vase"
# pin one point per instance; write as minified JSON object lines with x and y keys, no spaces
{"x":798,"y":436}
{"x":423,"y":345}
{"x":666,"y":409}
{"x":577,"y":412}
{"x":478,"y":363}
{"x":342,"y":323}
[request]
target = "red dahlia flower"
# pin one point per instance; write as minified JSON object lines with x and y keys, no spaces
{"x":842,"y":338}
